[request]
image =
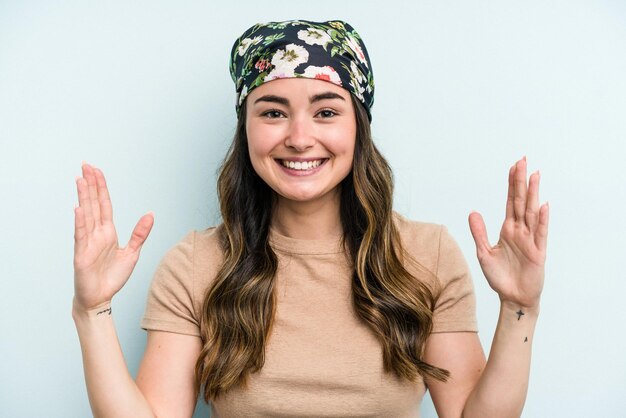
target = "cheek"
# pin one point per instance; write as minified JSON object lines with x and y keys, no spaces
{"x":256,"y":155}
{"x":343,"y":142}
{"x":349,"y":149}
{"x":255,"y":145}
{"x":259,"y":149}
{"x":262,"y":138}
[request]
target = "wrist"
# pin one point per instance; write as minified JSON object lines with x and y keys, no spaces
{"x":81,"y":312}
{"x":519,"y":309}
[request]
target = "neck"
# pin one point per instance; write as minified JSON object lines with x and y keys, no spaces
{"x":316,"y":220}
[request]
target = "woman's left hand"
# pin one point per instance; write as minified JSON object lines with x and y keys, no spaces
{"x":514,"y":267}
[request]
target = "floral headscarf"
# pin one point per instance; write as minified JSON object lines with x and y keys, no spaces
{"x":332,"y":51}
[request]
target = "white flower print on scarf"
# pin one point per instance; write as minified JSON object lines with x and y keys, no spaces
{"x":243,"y":94}
{"x":286,"y":60}
{"x":325,"y":73}
{"x":357,"y":90}
{"x":247,"y":43}
{"x":314,"y":36}
{"x":356,"y":73}
{"x":354,"y":46}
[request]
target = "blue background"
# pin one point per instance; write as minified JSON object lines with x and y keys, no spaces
{"x":463,"y":89}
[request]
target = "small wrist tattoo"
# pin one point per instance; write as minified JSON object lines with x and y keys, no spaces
{"x":525,"y":339}
{"x":107,"y":310}
{"x":519,"y":314}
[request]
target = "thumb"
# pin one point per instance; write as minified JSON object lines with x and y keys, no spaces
{"x":141,"y":231}
{"x":479,"y":233}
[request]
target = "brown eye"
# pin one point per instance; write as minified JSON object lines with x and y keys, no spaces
{"x":326,"y":113}
{"x":272,"y":114}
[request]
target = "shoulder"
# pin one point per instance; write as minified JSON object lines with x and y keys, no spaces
{"x":412,"y":230}
{"x":207,"y":241}
{"x":420,"y":240}
{"x":428,"y":243}
{"x":195,"y":258}
{"x":191,"y":265}
{"x":207,"y":252}
{"x":194,"y":246}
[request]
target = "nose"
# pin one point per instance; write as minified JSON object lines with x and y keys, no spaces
{"x":300,"y":134}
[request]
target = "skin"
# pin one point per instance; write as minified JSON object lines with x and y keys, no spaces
{"x":296,"y":126}
{"x":514,"y":268}
{"x":302,"y":119}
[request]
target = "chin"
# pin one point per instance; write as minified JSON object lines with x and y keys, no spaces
{"x":307,"y":196}
{"x":301,"y":197}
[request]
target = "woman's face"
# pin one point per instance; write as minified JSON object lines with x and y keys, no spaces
{"x":301,"y":136}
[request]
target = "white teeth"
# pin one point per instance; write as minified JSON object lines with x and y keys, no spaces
{"x":302,"y":165}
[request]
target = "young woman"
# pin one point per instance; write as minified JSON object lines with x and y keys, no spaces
{"x":312,"y":298}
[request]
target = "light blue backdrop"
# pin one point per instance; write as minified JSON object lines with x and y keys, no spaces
{"x":141,"y":89}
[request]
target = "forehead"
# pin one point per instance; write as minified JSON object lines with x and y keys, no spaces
{"x":296,"y":88}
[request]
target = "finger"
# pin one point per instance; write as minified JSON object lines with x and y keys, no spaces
{"x":84,"y":202}
{"x":541,"y":236}
{"x":479,"y":233}
{"x":510,"y":213}
{"x":141,"y":231}
{"x":532,"y":203}
{"x":80,"y":231}
{"x":93,"y":194}
{"x":106,"y":209}
{"x":519,"y":201}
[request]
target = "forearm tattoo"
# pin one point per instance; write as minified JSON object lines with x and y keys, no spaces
{"x":519,"y":314}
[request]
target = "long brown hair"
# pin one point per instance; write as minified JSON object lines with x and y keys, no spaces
{"x":239,"y":307}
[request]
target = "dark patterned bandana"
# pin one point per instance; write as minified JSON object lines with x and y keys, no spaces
{"x":331,"y":51}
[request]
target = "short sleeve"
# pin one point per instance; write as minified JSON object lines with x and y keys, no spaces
{"x":169,"y":305}
{"x":455,"y":310}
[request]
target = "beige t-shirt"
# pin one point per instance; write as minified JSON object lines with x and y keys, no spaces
{"x":321,"y":360}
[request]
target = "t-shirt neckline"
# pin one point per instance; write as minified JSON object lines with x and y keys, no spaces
{"x":305,"y":246}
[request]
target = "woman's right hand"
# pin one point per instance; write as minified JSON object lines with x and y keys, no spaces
{"x":101,"y":267}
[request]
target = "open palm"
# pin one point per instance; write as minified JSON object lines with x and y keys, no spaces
{"x":514,"y":267}
{"x":101,"y":267}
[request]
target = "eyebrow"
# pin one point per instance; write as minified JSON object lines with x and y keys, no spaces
{"x":315,"y":98}
{"x":325,"y":96}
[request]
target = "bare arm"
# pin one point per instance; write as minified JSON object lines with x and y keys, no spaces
{"x":166,"y":374}
{"x":462,"y":355}
{"x":514,"y":268}
{"x":496,"y":388}
{"x":501,"y":391}
{"x":164,"y":385}
{"x":111,"y":389}
{"x":101,"y":268}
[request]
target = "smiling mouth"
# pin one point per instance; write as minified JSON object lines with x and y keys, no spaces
{"x":302,"y":165}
